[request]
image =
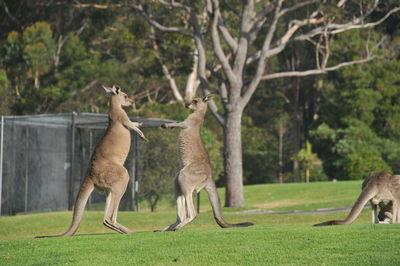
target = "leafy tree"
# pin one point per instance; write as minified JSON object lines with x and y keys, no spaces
{"x":38,"y":50}
{"x":355,"y":134}
{"x":308,"y":159}
{"x":4,"y":92}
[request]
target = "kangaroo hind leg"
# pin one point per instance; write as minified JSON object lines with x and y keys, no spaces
{"x":112,"y":204}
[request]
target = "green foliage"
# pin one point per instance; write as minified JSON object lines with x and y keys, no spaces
{"x":311,"y":164}
{"x":358,"y":148}
{"x":358,"y":126}
{"x":259,"y":156}
{"x":4,"y":92}
{"x":4,"y":82}
{"x":74,"y":50}
{"x":38,"y":48}
{"x":157,"y":167}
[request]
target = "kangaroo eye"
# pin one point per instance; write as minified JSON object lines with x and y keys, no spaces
{"x":194,"y":101}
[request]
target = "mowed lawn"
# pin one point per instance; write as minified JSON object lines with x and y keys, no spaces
{"x":275,"y":239}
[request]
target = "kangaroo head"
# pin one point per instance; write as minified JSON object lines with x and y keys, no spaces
{"x":120,"y":96}
{"x":198,"y":103}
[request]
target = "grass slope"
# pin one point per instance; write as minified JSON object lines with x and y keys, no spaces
{"x":275,"y":239}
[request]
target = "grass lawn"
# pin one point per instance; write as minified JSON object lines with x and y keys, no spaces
{"x":275,"y":239}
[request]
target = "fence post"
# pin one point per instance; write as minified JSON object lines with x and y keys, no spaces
{"x":26,"y":168}
{"x":71,"y":171}
{"x":1,"y":158}
{"x":134,"y":182}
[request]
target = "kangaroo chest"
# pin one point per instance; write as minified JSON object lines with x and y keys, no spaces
{"x":191,"y":149}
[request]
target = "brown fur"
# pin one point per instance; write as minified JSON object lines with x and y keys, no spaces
{"x":195,"y":173}
{"x":106,"y":171}
{"x":377,"y":187}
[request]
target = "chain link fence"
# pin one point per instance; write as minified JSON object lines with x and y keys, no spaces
{"x":43,"y":160}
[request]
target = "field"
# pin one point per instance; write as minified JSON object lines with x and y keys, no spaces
{"x":276,"y":239}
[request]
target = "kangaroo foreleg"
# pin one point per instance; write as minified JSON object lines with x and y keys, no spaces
{"x":172,"y":125}
{"x":135,"y":127}
{"x":374,"y":211}
{"x":396,"y":211}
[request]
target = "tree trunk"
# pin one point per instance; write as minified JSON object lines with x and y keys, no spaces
{"x":307,"y":174}
{"x":36,"y":80}
{"x":233,"y":160}
{"x":280,"y":163}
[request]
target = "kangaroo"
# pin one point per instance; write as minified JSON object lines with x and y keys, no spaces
{"x":195,"y":173}
{"x":378,"y":186}
{"x":106,"y":171}
{"x":385,"y":214}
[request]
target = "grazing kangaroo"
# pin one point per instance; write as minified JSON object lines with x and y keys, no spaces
{"x":195,"y":173}
{"x":377,"y":187}
{"x":385,"y":214}
{"x":106,"y":171}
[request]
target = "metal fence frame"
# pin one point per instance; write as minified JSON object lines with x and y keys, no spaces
{"x":77,"y":121}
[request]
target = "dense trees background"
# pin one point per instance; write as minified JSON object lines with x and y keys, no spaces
{"x":54,"y":55}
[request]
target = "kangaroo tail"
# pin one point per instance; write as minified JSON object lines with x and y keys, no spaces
{"x":368,"y":193}
{"x":216,"y":207}
{"x":79,"y":207}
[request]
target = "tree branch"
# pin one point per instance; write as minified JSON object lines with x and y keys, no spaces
{"x":157,"y":25}
{"x":337,"y":28}
{"x":247,"y":23}
{"x":193,"y":80}
{"x":261,"y":63}
{"x":299,"y":5}
{"x":98,"y":6}
{"x":232,"y":43}
{"x":217,"y":43}
{"x":11,"y":16}
{"x":328,"y":29}
{"x":201,"y":68}
{"x":260,"y":20}
{"x":315,"y":71}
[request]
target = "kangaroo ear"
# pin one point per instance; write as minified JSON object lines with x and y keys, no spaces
{"x":207,"y":97}
{"x":116,"y":89}
{"x":108,"y":89}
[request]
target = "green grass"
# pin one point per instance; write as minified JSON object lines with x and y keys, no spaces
{"x":274,"y":240}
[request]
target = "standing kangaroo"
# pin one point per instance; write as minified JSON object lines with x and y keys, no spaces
{"x":195,"y":173}
{"x":377,"y":187}
{"x":106,"y":171}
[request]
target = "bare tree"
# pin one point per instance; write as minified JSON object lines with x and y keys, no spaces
{"x":265,"y":28}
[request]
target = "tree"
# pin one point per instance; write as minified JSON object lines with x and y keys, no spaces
{"x":38,"y":50}
{"x":244,"y":37}
{"x":307,"y":158}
